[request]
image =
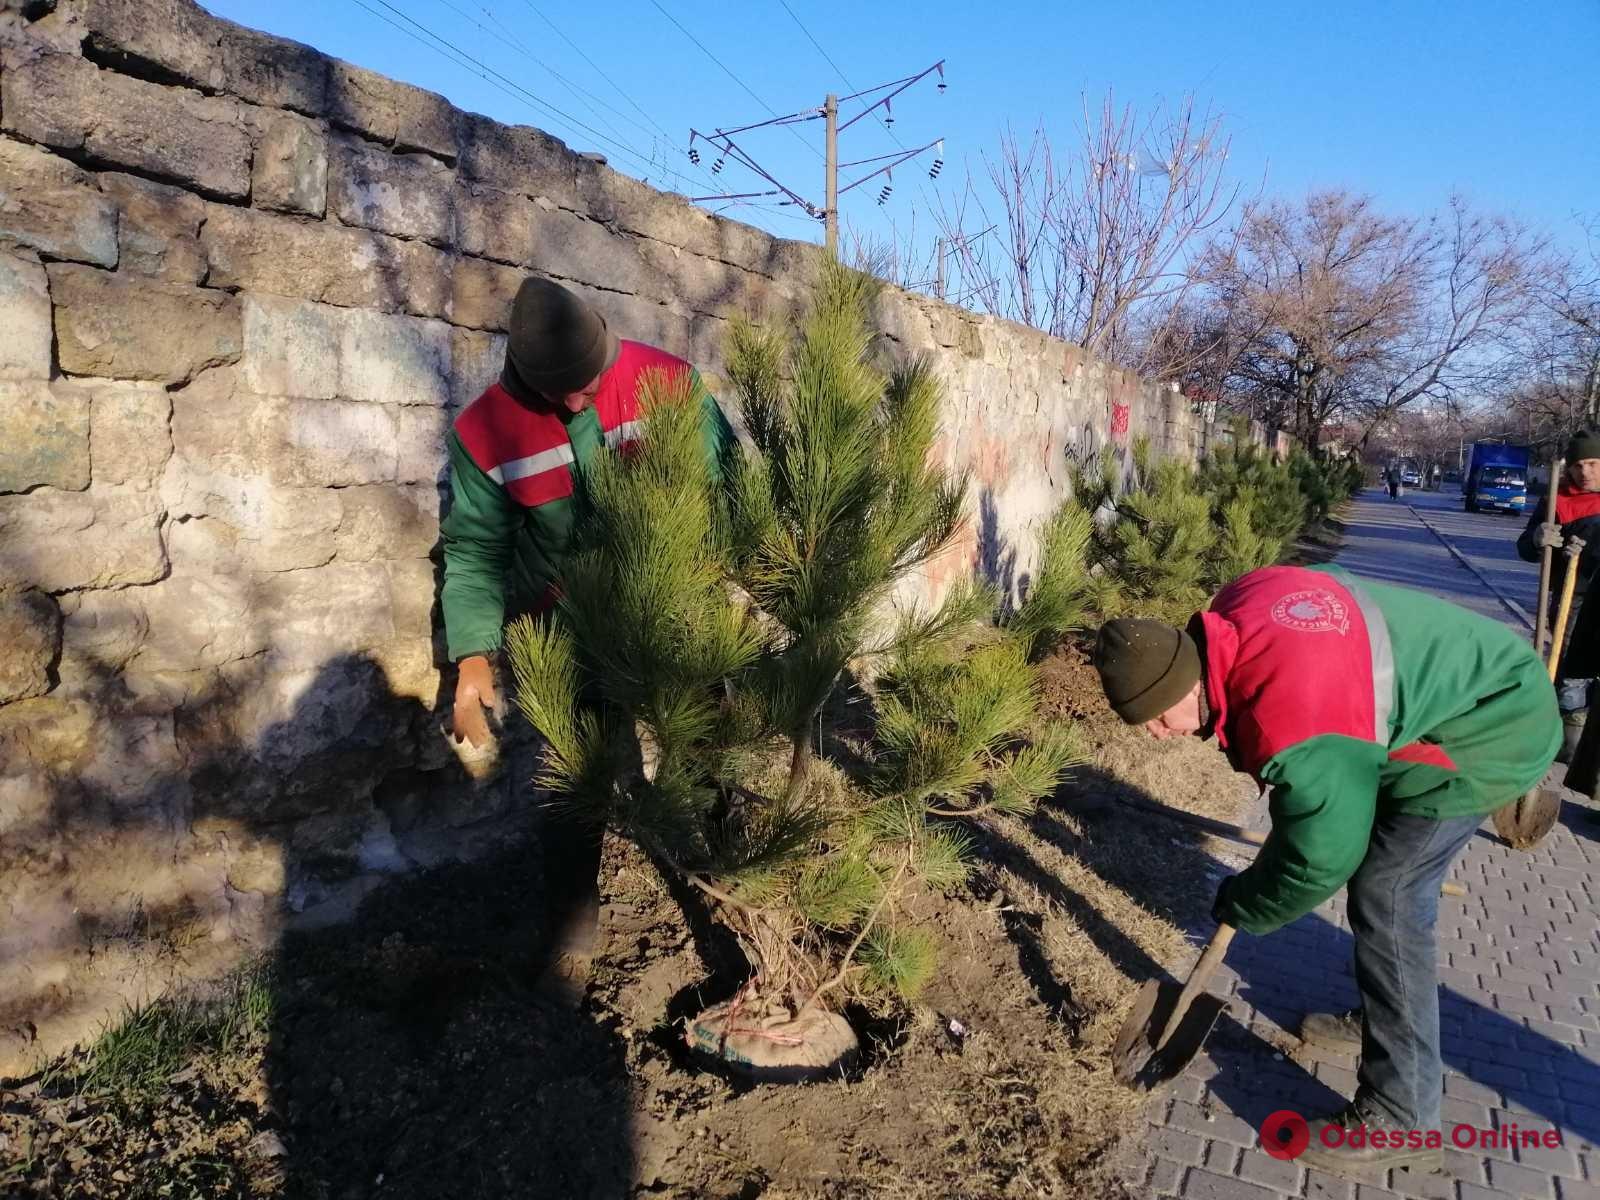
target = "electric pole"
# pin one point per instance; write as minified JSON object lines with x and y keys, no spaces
{"x":830,"y":113}
{"x":938,"y":272}
{"x":721,"y":142}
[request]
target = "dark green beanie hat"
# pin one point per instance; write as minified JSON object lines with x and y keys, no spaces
{"x":1584,"y":444}
{"x":556,"y":344}
{"x":1145,"y":667}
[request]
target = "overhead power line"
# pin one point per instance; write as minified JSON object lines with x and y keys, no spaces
{"x":751,"y":92}
{"x":501,"y":80}
{"x":449,"y":50}
{"x":668,"y":140}
{"x":722,"y":140}
{"x":845,"y":79}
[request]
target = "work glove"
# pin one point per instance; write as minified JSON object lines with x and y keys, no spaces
{"x":475,"y":692}
{"x":1549,"y":535}
{"x":1221,"y":911}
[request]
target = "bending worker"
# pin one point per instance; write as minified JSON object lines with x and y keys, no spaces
{"x":1387,"y":723}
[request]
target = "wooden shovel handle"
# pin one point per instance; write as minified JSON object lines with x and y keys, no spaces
{"x":1569,"y":583}
{"x":1196,"y":983}
{"x":1543,"y":627}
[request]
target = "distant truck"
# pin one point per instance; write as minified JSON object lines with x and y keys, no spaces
{"x":1497,"y":478}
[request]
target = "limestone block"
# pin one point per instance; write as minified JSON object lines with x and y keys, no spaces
{"x":30,"y":631}
{"x":476,"y":359}
{"x":43,"y":97}
{"x":101,"y":631}
{"x":482,"y":292}
{"x":407,"y":195}
{"x":26,"y":801}
{"x":491,"y":223}
{"x":394,"y":113}
{"x":44,"y":437}
{"x":331,"y":443}
{"x":239,"y":457}
{"x":52,"y":206}
{"x":574,"y":247}
{"x":291,"y":348}
{"x":317,"y":614}
{"x":519,"y":158}
{"x":290,"y":171}
{"x":408,"y":669}
{"x":692,"y":281}
{"x":394,"y":359}
{"x":25,"y":317}
{"x":138,"y":764}
{"x":413,"y":587}
{"x":643,"y":320}
{"x":254,"y":864}
{"x":62,"y":540}
{"x":172,"y":133}
{"x":298,"y":528}
{"x":158,"y":227}
{"x":216,"y":429}
{"x":420,"y":455}
{"x":388,"y":521}
{"x":203,"y":614}
{"x":48,"y":733}
{"x":274,"y":72}
{"x":176,"y":35}
{"x":263,"y":252}
{"x":129,"y":432}
{"x":126,"y":327}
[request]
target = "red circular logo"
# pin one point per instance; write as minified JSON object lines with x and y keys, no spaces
{"x":1315,"y":611}
{"x":1284,"y":1134}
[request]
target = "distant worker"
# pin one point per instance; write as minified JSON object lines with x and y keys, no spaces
{"x":1392,"y":478}
{"x":1577,"y":515}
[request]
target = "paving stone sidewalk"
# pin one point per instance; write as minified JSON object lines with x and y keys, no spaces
{"x":1520,"y":1010}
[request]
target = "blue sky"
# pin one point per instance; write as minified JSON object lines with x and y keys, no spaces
{"x":1405,"y":100}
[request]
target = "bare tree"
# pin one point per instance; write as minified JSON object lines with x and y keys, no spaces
{"x":1357,"y":315}
{"x":1564,"y":353}
{"x":1077,"y":244}
{"x":893,"y":256}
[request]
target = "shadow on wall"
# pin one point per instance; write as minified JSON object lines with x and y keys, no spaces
{"x":409,"y":1044}
{"x":997,"y":559}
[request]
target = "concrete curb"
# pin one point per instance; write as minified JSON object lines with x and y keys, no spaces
{"x":1511,"y":605}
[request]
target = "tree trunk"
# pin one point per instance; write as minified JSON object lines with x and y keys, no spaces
{"x":799,"y":763}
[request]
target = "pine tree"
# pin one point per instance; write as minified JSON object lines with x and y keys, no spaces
{"x":701,"y":632}
{"x":840,"y":499}
{"x":1154,"y":544}
{"x":1240,"y":470}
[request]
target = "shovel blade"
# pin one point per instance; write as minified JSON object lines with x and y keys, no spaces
{"x":1136,"y":1062}
{"x":1527,"y":820}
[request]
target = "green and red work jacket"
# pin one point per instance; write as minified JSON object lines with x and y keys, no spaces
{"x":515,"y":469}
{"x":1349,"y":699}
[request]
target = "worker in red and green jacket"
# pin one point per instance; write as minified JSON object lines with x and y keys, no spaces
{"x":1577,"y":515}
{"x":569,"y":391}
{"x":1387,"y":724}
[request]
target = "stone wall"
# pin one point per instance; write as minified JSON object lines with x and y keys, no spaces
{"x":244,"y":288}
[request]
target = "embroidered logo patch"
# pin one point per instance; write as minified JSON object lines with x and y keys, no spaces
{"x":1314,"y":611}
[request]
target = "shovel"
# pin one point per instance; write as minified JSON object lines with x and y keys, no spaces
{"x":1545,"y":555}
{"x":1168,"y":1025}
{"x":1527,"y":820}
